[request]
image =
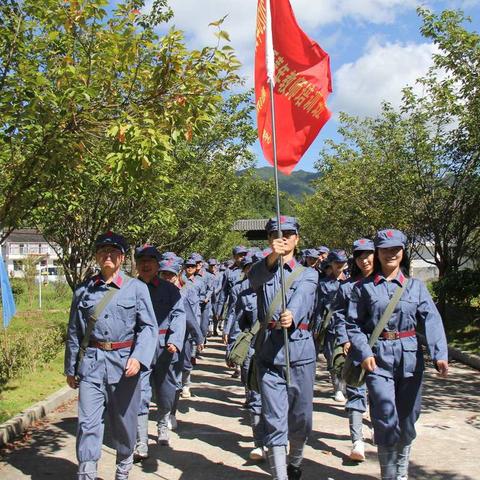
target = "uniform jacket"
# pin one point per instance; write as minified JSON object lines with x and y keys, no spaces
{"x":326,"y":291}
{"x":300,"y":301}
{"x":170,"y":312}
{"x":128,"y":316}
{"x":369,"y":299}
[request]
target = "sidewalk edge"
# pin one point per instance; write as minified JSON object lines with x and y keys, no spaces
{"x":17,"y":425}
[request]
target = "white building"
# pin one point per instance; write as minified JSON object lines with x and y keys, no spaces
{"x":24,"y":243}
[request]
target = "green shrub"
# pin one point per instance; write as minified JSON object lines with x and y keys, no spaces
{"x":459,"y":288}
{"x":18,"y":286}
{"x":26,"y":351}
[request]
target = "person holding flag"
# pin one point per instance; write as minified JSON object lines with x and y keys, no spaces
{"x":287,"y":403}
{"x":292,"y":76}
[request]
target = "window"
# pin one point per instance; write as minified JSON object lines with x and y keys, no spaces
{"x":14,"y":249}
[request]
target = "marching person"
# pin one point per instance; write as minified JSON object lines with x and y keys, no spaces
{"x":231,"y":276}
{"x":395,"y":364}
{"x":170,"y":271}
{"x":112,"y":327}
{"x":193,"y":287}
{"x":286,"y":409}
{"x":356,"y":405}
{"x":170,"y":314}
{"x":327,"y":290}
{"x":217,"y":279}
{"x":232,"y":327}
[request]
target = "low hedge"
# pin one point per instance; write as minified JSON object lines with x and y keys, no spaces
{"x":25,"y":351}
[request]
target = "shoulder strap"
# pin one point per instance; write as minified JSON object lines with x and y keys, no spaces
{"x":387,"y":314}
{"x":98,"y":310}
{"x":277,"y":299}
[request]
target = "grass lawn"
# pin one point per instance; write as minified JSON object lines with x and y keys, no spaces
{"x":38,"y":379}
{"x":462,"y":327}
{"x":21,"y":393}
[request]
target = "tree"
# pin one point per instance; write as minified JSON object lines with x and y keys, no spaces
{"x":416,"y":168}
{"x":91,"y":131}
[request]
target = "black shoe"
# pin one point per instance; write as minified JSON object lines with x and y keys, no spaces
{"x":294,"y":473}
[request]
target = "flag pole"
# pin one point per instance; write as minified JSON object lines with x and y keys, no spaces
{"x":271,"y":81}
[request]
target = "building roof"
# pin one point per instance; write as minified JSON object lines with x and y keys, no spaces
{"x":254,"y":228}
{"x":25,"y":235}
{"x":250,"y":224}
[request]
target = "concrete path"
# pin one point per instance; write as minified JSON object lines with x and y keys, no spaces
{"x":214,"y":438}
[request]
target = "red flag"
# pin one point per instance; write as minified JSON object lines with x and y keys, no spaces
{"x":302,"y":85}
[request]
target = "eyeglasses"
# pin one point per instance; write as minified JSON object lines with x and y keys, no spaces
{"x":112,"y":251}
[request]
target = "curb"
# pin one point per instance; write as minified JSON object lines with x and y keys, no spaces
{"x":16,"y":426}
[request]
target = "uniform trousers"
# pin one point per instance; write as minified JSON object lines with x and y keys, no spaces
{"x":163,"y":378}
{"x":395,"y":405}
{"x":356,"y":405}
{"x":120,"y":402}
{"x":287,"y":411}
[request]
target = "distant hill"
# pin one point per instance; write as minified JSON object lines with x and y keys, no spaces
{"x":296,"y":184}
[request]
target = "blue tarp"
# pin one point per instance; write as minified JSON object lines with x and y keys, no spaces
{"x":8,"y":302}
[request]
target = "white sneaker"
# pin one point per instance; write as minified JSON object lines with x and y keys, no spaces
{"x":163,"y":436}
{"x":339,"y":396}
{"x":186,"y":392}
{"x":172,"y":422}
{"x":257,"y":454}
{"x":358,"y":451}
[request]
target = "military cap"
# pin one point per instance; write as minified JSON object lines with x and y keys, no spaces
{"x":190,"y":262}
{"x":246,"y":260}
{"x":323,"y":249}
{"x":170,"y":265}
{"x":113,"y":239}
{"x":363,"y":244}
{"x":286,"y":223}
{"x":212,"y":261}
{"x":311,"y":252}
{"x":390,"y":238}
{"x":197,"y":257}
{"x":239,"y":249}
{"x":337,"y":256}
{"x":147,"y":251}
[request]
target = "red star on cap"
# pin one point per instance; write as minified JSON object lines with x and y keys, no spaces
{"x":169,"y":263}
{"x":362,"y":242}
{"x":283,"y":219}
{"x":109,"y":233}
{"x":389,"y":234}
{"x":146,"y":245}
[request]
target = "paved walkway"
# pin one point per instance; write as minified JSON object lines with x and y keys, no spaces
{"x":214,"y":437}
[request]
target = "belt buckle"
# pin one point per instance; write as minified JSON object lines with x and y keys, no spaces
{"x":391,"y":335}
{"x":107,"y":346}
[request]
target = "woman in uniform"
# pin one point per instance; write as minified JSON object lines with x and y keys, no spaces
{"x":395,"y":364}
{"x":356,"y":405}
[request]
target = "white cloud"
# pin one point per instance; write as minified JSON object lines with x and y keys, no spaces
{"x":379,"y":75}
{"x":193,"y":17}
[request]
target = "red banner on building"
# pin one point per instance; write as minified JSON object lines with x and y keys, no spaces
{"x":302,"y":85}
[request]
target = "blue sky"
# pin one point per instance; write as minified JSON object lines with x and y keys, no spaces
{"x":375,"y":46}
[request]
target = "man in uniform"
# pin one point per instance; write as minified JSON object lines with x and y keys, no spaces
{"x":112,"y":327}
{"x":170,"y":314}
{"x":287,"y":409}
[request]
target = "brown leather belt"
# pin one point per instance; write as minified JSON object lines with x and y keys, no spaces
{"x":395,"y":335}
{"x":163,"y":331}
{"x":108,"y":346}
{"x":274,"y":325}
